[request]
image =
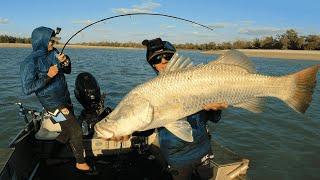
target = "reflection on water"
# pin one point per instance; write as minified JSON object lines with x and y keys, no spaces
{"x":280,"y":143}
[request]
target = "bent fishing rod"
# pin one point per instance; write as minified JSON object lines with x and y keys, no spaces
{"x":133,"y":14}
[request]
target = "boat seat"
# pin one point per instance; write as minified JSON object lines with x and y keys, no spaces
{"x":48,"y":130}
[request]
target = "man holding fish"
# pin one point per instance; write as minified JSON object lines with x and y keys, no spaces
{"x":186,"y":159}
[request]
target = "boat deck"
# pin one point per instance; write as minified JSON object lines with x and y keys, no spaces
{"x":38,"y":159}
{"x":5,"y":154}
{"x":124,"y":166}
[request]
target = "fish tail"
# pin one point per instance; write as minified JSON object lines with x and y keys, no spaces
{"x":304,"y":83}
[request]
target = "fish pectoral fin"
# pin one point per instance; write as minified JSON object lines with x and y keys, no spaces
{"x":182,"y":129}
{"x":254,"y":105}
{"x":234,"y":57}
{"x":143,"y":113}
{"x":146,"y":110}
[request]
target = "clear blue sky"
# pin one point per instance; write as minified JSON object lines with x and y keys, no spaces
{"x":233,"y":19}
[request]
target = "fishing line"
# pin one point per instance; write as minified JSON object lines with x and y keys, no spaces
{"x":134,"y":14}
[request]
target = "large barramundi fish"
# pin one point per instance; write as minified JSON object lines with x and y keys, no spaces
{"x":182,"y":90}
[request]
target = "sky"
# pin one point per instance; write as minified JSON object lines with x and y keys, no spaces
{"x":231,"y":19}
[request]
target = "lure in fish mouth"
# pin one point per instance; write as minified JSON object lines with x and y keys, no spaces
{"x":182,"y":89}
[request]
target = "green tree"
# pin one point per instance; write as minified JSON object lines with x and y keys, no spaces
{"x":239,"y":44}
{"x":312,"y":42}
{"x":267,"y":43}
{"x":256,"y":44}
{"x":284,"y":41}
{"x":295,"y":42}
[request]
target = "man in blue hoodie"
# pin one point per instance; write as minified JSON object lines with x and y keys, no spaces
{"x":42,"y":73}
{"x":186,"y":159}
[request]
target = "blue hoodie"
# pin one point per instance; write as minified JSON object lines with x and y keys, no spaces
{"x":52,"y":92}
{"x":180,"y":153}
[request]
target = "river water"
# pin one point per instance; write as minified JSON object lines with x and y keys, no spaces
{"x":280,"y":143}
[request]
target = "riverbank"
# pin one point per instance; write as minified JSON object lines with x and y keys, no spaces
{"x":20,"y":45}
{"x":266,"y":53}
{"x":281,"y":54}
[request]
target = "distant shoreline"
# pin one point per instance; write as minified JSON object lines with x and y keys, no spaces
{"x":274,"y":53}
{"x":266,"y":53}
{"x":21,"y":45}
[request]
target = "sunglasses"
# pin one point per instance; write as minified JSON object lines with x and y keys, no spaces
{"x":157,"y":59}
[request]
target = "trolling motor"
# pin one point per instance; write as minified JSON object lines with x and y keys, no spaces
{"x":87,"y":92}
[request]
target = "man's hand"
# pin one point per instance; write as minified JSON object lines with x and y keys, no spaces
{"x":215,"y":106}
{"x":53,"y":70}
{"x":62,"y":58}
{"x":121,"y":138}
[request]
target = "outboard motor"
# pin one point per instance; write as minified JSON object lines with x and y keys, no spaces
{"x":87,"y":92}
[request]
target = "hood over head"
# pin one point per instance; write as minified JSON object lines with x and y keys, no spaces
{"x":40,"y":38}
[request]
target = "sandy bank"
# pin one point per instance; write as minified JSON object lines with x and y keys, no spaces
{"x":20,"y":45}
{"x":282,"y":54}
{"x":14,"y":45}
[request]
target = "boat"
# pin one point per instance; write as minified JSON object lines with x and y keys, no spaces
{"x":34,"y":154}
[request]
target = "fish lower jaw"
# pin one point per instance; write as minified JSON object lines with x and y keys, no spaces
{"x":104,"y":133}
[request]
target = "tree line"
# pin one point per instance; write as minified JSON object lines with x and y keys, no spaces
{"x":11,"y":39}
{"x":288,"y":40}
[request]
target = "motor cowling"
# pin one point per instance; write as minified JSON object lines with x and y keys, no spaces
{"x":87,"y":91}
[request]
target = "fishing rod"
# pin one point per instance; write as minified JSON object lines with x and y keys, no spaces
{"x":134,"y":14}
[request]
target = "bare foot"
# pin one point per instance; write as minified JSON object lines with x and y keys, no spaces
{"x":82,"y":166}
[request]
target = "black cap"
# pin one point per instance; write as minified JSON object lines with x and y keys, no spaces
{"x":156,"y":47}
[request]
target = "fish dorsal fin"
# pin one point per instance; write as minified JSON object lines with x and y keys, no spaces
{"x":177,"y":62}
{"x":234,"y":57}
{"x":254,"y":105}
{"x":181,"y":128}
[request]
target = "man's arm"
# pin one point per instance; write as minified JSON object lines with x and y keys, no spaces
{"x":30,"y":82}
{"x":213,"y":111}
{"x":212,"y":115}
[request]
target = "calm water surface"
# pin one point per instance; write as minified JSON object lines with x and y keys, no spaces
{"x":280,"y":143}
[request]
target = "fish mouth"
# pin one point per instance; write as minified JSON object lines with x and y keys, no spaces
{"x":103,"y":132}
